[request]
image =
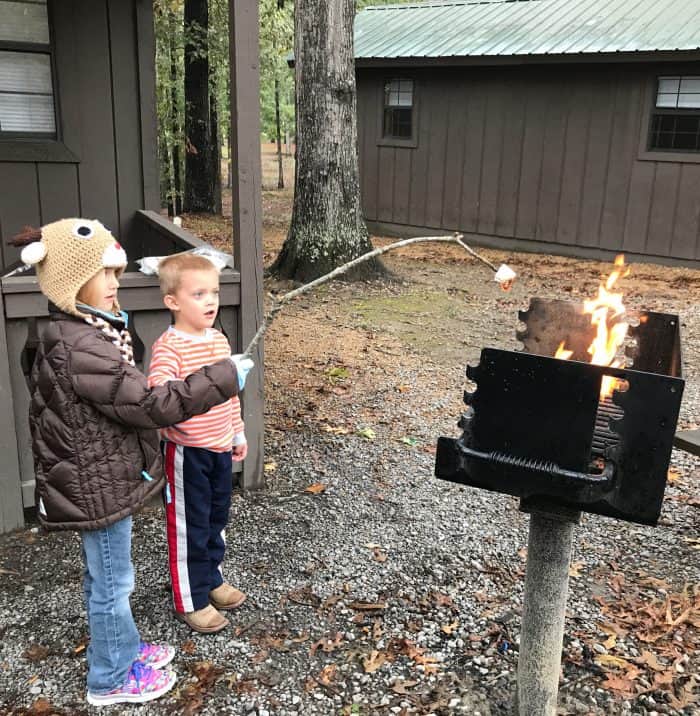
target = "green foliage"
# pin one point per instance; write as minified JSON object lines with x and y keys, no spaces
{"x":170,"y":95}
{"x":276,"y":44}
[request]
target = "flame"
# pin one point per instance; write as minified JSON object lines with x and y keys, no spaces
{"x":562,"y":352}
{"x":604,"y":309}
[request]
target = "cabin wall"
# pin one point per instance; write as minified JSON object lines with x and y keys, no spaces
{"x":538,"y":157}
{"x":103,"y":164}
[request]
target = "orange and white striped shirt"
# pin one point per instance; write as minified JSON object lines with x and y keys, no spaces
{"x":175,"y":356}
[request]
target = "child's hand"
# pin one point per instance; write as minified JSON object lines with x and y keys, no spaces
{"x":240,"y":452}
{"x":243,"y":367}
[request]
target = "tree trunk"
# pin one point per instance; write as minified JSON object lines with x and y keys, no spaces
{"x":166,"y":174}
{"x":327,"y":227}
{"x":278,"y":131}
{"x":176,"y":184}
{"x":215,"y":154}
{"x":199,"y":183}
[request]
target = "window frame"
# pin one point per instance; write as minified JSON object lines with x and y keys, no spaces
{"x":35,"y":146}
{"x":412,"y":141}
{"x":645,"y":152}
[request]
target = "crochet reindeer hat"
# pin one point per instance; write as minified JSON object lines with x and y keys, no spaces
{"x":67,"y":254}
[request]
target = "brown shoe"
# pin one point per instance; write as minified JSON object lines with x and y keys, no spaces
{"x":204,"y":621}
{"x":226,"y":597}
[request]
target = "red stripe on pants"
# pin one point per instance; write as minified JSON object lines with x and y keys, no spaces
{"x":171,"y":525}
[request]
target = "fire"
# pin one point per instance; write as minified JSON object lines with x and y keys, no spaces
{"x":562,"y":352}
{"x":604,"y":309}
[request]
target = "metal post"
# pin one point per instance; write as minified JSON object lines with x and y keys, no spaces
{"x":544,"y":609}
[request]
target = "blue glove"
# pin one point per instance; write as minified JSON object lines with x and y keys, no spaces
{"x":243,"y":367}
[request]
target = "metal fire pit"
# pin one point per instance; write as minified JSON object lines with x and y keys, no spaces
{"x":537,"y":428}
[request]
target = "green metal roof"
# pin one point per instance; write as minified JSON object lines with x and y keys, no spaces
{"x":473,"y":28}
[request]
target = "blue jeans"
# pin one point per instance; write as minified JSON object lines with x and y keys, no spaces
{"x":108,"y":580}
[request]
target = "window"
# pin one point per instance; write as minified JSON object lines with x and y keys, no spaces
{"x":398,"y":109}
{"x":26,"y":83}
{"x":675,"y":121}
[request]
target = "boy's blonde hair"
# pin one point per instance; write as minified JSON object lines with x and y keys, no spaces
{"x":171,"y":268}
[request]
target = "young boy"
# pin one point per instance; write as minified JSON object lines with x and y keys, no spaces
{"x":93,"y":419}
{"x":198,"y":452}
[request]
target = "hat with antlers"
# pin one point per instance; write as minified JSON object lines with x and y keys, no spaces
{"x":67,"y":254}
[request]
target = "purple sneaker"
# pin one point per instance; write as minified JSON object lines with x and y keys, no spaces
{"x":142,"y":684}
{"x":155,"y":655}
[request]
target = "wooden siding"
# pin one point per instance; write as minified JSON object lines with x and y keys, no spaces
{"x":105,"y":104}
{"x":549,"y":156}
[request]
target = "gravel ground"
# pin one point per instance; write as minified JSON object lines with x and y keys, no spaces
{"x":382,"y":590}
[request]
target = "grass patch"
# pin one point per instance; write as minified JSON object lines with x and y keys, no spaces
{"x":427,"y":321}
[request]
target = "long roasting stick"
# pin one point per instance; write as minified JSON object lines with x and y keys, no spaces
{"x":505,"y":279}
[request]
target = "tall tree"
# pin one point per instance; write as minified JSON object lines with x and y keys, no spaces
{"x":200,"y":154}
{"x":327,"y":227}
{"x":276,"y":39}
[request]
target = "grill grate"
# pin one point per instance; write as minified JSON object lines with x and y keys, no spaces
{"x":603,"y":436}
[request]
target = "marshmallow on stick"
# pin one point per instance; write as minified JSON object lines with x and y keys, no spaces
{"x":505,"y":276}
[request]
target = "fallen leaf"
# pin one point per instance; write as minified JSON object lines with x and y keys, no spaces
{"x":327,"y":674}
{"x":656,"y":583}
{"x":694,"y":542}
{"x":663,"y":679}
{"x":379,"y":555}
{"x":686,"y":698}
{"x":373,"y":661}
{"x":270,"y":466}
{"x":326,"y":644}
{"x":42,"y":707}
{"x":403,"y":388}
{"x":260,"y":656}
{"x":36,"y":652}
{"x":673,"y":475}
{"x":649,"y":658}
{"x":335,"y":430}
{"x":409,"y":441}
{"x":317,"y":488}
{"x":189,"y":647}
{"x":449,"y":628}
{"x":442,"y":600}
{"x":610,"y":642}
{"x":337,"y":373}
{"x":619,"y":684}
{"x":367,"y":606}
{"x":401,"y":687}
{"x":609,"y":660}
{"x":206,"y":672}
{"x":575,"y":569}
{"x":367,"y":433}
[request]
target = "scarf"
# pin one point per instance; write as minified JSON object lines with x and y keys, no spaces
{"x":114,"y":327}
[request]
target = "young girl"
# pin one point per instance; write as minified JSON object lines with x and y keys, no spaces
{"x":96,"y":449}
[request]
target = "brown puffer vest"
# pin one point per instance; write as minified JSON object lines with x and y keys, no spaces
{"x":93,"y":420}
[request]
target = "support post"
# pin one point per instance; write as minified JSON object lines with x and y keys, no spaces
{"x":11,"y":506}
{"x":544,"y":610}
{"x":246,"y":195}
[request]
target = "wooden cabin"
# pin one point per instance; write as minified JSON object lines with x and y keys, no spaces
{"x":78,"y":137}
{"x":537,"y":125}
